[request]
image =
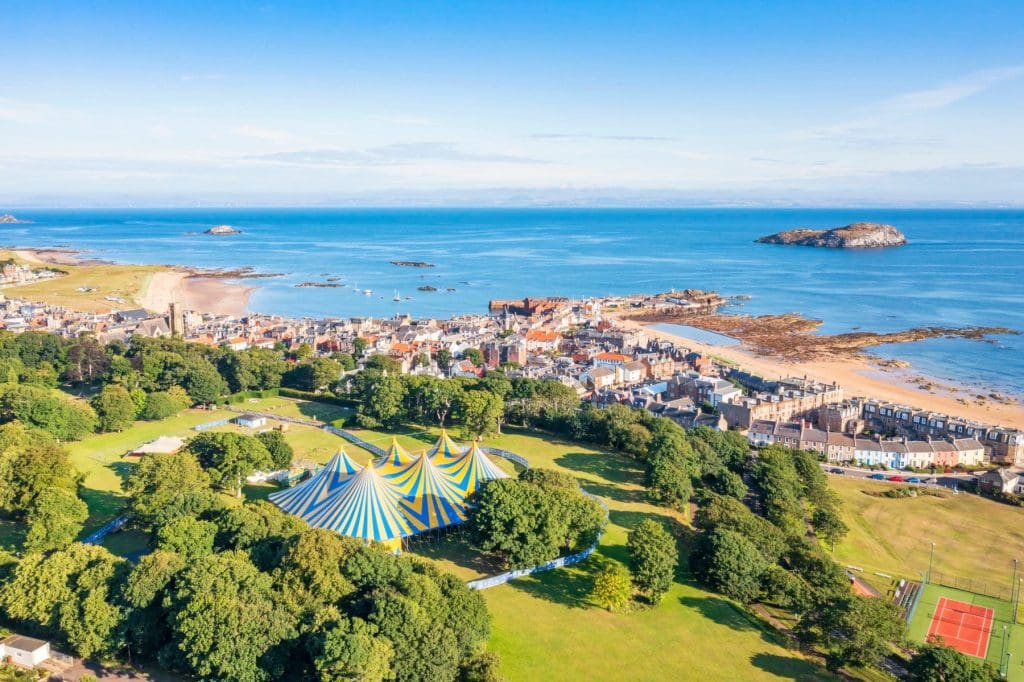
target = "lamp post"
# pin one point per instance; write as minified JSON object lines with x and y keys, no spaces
{"x":931,"y":559}
{"x":1013,"y":580}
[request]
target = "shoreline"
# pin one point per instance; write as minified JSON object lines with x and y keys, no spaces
{"x":211,"y":292}
{"x":204,"y":291}
{"x":858,"y":377}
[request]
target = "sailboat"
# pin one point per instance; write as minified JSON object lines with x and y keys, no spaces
{"x":397,"y":297}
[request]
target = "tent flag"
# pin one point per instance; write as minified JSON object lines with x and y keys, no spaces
{"x":446,"y":447}
{"x":396,"y":456}
{"x":308,"y":494}
{"x":366,"y":508}
{"x":471,"y":469}
{"x":430,"y":499}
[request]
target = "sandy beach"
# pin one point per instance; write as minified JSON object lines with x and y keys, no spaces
{"x":860,"y":378}
{"x":164,"y":285}
{"x":202,"y":294}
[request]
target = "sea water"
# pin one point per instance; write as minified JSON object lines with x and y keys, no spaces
{"x":961,"y":267}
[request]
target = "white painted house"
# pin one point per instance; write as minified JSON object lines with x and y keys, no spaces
{"x":251,"y":421}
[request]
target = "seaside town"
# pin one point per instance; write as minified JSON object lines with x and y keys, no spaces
{"x":580,"y":344}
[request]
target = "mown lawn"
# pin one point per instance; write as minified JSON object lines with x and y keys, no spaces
{"x":544,"y":627}
{"x":974,"y":537}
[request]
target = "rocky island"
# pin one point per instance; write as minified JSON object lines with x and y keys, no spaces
{"x":854,"y":236}
{"x":222,"y":229}
{"x":8,"y":219}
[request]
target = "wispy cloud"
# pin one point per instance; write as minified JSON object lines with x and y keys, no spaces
{"x":264,"y":134}
{"x":388,"y":155}
{"x":614,"y":138}
{"x":858,"y":131}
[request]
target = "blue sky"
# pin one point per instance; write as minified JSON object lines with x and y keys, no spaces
{"x":818,"y":103}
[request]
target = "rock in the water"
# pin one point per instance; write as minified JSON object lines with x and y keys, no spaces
{"x":222,"y":229}
{"x":8,"y":219}
{"x":855,"y":236}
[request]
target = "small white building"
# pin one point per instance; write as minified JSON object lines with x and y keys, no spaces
{"x":251,"y":421}
{"x":27,"y":652}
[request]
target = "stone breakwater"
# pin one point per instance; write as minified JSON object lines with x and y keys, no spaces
{"x":854,"y":236}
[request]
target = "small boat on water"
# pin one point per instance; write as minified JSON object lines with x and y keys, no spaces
{"x":368,"y":292}
{"x":397,"y":297}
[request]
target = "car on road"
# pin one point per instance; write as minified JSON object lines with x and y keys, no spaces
{"x":914,"y":479}
{"x":897,"y":479}
{"x":836,"y":470}
{"x":877,"y":477}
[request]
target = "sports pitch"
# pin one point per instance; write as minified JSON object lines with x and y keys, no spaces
{"x":977,"y":625}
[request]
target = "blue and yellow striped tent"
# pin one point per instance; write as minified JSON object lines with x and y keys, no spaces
{"x":430,"y":499}
{"x":396,"y":457}
{"x":471,"y":469}
{"x":445,"y":448}
{"x":304,"y":497}
{"x":367,"y":507}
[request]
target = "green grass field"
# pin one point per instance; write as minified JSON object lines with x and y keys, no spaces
{"x":107,"y":279}
{"x":544,"y":627}
{"x":974,"y":537}
{"x":1003,"y":617}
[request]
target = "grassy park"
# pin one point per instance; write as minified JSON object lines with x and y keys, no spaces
{"x":974,"y":538}
{"x":691,"y":634}
{"x":127,"y":282}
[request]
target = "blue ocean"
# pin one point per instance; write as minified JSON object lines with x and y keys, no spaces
{"x":961,"y":267}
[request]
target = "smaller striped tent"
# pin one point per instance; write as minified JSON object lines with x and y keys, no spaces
{"x":396,"y":457}
{"x":429,"y":498}
{"x":471,"y":469}
{"x":368,"y":507}
{"x":445,"y":448}
{"x":302,"y":498}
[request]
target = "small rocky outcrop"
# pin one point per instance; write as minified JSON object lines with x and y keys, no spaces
{"x":8,"y":219}
{"x":855,"y":236}
{"x":222,"y":229}
{"x":412,"y":264}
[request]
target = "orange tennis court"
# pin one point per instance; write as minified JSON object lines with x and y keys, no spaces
{"x":964,"y":627}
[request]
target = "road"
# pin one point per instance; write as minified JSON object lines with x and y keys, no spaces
{"x":951,"y":480}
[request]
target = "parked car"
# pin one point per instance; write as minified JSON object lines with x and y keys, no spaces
{"x":914,"y":479}
{"x":836,"y":470}
{"x":877,"y":477}
{"x":897,"y":479}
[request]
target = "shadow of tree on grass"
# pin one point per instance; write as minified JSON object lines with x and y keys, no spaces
{"x":789,"y":667}
{"x":569,"y":586}
{"x":611,"y":468}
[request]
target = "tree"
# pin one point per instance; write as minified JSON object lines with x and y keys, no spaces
{"x":229,"y":457}
{"x":652,"y":559}
{"x":280,"y":451}
{"x":359,"y":345}
{"x":444,"y":359}
{"x":381,"y":398}
{"x":225,"y":617}
{"x":55,"y":519}
{"x":828,"y":524}
{"x":441,"y":396}
{"x":473,"y":355}
{"x":726,"y":482}
{"x":668,"y":481}
{"x":87,"y":360}
{"x":159,"y":405}
{"x":187,"y":537}
{"x":202,"y":382}
{"x":936,"y":663}
{"x":115,"y":410}
{"x":856,"y":631}
{"x":164,"y":487}
{"x":312,"y":375}
{"x":481,"y":413}
{"x":32,"y":462}
{"x":728,"y":563}
{"x":483,"y":666}
{"x":349,"y":649}
{"x":63,"y":418}
{"x":311,"y":572}
{"x":612,"y":587}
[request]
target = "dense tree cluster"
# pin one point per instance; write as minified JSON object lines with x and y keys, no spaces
{"x":246,"y":592}
{"x":532,"y":519}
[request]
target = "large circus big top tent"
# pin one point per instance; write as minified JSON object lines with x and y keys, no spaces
{"x":396,"y":496}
